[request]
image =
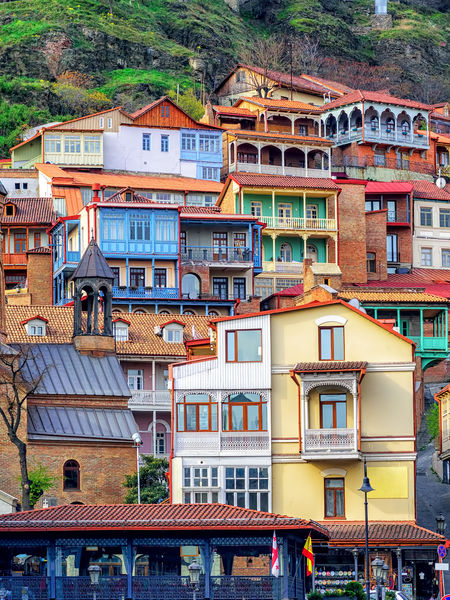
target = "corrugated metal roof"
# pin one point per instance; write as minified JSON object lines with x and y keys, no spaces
{"x":80,"y":422}
{"x":68,"y":373}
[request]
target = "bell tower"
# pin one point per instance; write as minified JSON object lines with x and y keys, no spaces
{"x":93,"y":281}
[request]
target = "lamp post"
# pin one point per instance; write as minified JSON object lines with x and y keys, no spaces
{"x":366,"y":488}
{"x":137,"y":442}
{"x":377,"y":568}
{"x":94,"y":574}
{"x":194,"y":575}
{"x":440,"y":524}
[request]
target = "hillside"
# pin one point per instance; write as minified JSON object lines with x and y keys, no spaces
{"x":61,"y":58}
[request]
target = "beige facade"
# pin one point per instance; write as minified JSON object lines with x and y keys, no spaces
{"x":431,"y":241}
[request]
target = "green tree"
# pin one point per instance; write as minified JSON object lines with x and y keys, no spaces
{"x":189,"y":103}
{"x":433,"y":421}
{"x":40,"y":481}
{"x":154,"y":486}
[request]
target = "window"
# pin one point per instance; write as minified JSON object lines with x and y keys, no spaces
{"x":245,"y":411}
{"x":137,"y":277}
{"x":71,"y":475}
{"x":392,"y":248}
{"x":379,"y":159}
{"x":312,"y":211}
{"x":10,"y":210}
{"x":256,"y":209}
{"x":59,"y":206}
{"x":135,"y":379}
{"x":240,"y":76}
{"x":331,"y":343}
{"x":372,"y":205}
{"x":92,"y":144}
{"x":211,"y":173}
{"x":247,"y":487}
{"x":426,"y":216}
{"x":72,"y":144}
{"x":183,"y":242}
{"x":426,"y":257}
{"x":283,"y":284}
{"x":197,"y":412}
{"x":36,"y":330}
{"x":173,"y":334}
{"x":20,"y":243}
{"x":334,"y":497}
{"x":333,"y":411}
{"x":188,"y":141}
{"x":165,"y":111}
{"x":161,"y":196}
{"x":160,"y":443}
{"x":120,"y":331}
{"x":164,"y":143}
{"x":284,"y":210}
{"x":446,"y":258}
{"x":109,"y":123}
{"x":116,"y":280}
{"x":303,"y":130}
{"x":244,"y":345}
{"x":140,"y":227}
{"x":166,"y":229}
{"x":101,"y":122}
{"x":17,"y":186}
{"x":146,"y":141}
{"x":285,"y":252}
{"x":113,"y":228}
{"x":264,"y":286}
{"x":37,"y":240}
{"x":444,"y":217}
{"x":24,"y":186}
{"x":220,"y":287}
{"x":196,"y":481}
{"x":52,"y":143}
{"x":371,"y":262}
{"x":208,"y":142}
{"x":391,"y":206}
{"x":239,"y":288}
{"x":190,"y":286}
{"x":160,"y":278}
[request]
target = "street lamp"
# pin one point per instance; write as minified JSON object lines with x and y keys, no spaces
{"x":194,"y":575}
{"x":385,"y":573}
{"x":377,"y":569}
{"x":94,"y":574}
{"x":137,"y":442}
{"x":366,"y":488}
{"x":440,"y":524}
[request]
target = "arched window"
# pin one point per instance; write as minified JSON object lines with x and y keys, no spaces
{"x":374,"y":123}
{"x":286,"y":252}
{"x":390,"y":125}
{"x":164,"y":312}
{"x":139,"y":311}
{"x":190,"y":286}
{"x":406,"y":127}
{"x":311,"y":252}
{"x":245,"y":411}
{"x":188,"y":312}
{"x":213,"y":313}
{"x":71,"y":475}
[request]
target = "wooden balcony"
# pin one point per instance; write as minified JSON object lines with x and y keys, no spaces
{"x":329,"y":443}
{"x":15,"y":259}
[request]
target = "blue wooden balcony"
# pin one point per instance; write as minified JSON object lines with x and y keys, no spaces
{"x":73,"y":256}
{"x":145,"y":292}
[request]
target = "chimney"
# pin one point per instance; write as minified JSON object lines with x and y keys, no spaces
{"x":95,"y":191}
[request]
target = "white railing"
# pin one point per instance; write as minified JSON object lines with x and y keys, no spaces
{"x":247,"y":442}
{"x":283,"y":267}
{"x":149,"y":399}
{"x":329,"y":440}
{"x":197,"y":441}
{"x":300,"y":223}
{"x":279,"y":170}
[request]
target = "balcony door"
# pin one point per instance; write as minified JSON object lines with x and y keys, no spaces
{"x":333,"y":411}
{"x":392,"y":248}
{"x":284,"y":214}
{"x":220,"y":245}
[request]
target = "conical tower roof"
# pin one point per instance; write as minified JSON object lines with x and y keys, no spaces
{"x":93,"y":264}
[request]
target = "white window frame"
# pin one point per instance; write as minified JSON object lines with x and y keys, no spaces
{"x":446,"y":262}
{"x":207,"y":488}
{"x":173,"y":333}
{"x":188,"y":142}
{"x":36,"y":327}
{"x":120,"y":332}
{"x":72,"y":144}
{"x":246,"y":490}
{"x":426,"y":257}
{"x":135,"y":382}
{"x":52,"y":144}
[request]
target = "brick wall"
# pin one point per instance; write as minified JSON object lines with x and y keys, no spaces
{"x":376,"y":242}
{"x":202,"y":272}
{"x":352,"y":235}
{"x":440,"y":373}
{"x":250,"y":306}
{"x":39,"y":273}
{"x":404,"y":235}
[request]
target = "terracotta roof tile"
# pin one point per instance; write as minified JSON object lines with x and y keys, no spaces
{"x":390,"y":533}
{"x":283,"y":181}
{"x":142,"y":339}
{"x":383,"y":98}
{"x":389,"y":295}
{"x":209,"y":210}
{"x":434,"y":281}
{"x":312,"y":367}
{"x":40,"y":250}
{"x":234,"y":110}
{"x":328,"y":83}
{"x":153,"y":517}
{"x":31,"y":210}
{"x":277,"y":103}
{"x":269,"y":134}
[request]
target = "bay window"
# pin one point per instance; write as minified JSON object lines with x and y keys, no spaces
{"x":197,"y":412}
{"x":244,"y":345}
{"x":244,"y":412}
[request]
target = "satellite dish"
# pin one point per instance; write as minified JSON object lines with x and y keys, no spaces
{"x":440,"y":182}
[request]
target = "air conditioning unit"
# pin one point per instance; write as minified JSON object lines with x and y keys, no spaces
{"x":157,"y":330}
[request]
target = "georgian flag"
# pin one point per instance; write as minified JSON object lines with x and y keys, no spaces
{"x":275,"y":562}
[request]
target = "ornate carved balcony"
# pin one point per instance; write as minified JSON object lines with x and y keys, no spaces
{"x":329,"y":443}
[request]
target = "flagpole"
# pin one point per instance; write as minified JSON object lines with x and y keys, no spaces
{"x":314,"y":574}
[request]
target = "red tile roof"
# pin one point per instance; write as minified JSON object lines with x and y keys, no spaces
{"x":383,"y":294}
{"x":279,"y":103}
{"x":329,"y":366}
{"x":427,"y":189}
{"x":234,"y":111}
{"x":387,"y":533}
{"x":328,"y":83}
{"x":37,"y":211}
{"x":159,"y":517}
{"x":390,"y":187}
{"x":40,"y":250}
{"x":199,"y":209}
{"x":283,"y":181}
{"x":381,"y":97}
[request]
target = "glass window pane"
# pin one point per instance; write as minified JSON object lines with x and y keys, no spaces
{"x":200,"y":398}
{"x":213,"y":408}
{"x":327,"y":416}
{"x":237,"y":418}
{"x":191,"y":417}
{"x":252,"y":417}
{"x":225,"y":424}
{"x":248,"y":346}
{"x":240,"y":499}
{"x":329,"y":503}
{"x":334,"y":483}
{"x":229,"y":498}
{"x":325,"y":344}
{"x":230,"y":346}
{"x":253,"y":501}
{"x":264,"y":417}
{"x":339,"y":503}
{"x":338,"y":343}
{"x":180,"y":417}
{"x":264,"y":502}
{"x":203,"y":417}
{"x":341,"y":416}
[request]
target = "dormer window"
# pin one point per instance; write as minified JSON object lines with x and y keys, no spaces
{"x":120,"y":328}
{"x":36,"y":326}
{"x":9,"y":210}
{"x":173,"y":331}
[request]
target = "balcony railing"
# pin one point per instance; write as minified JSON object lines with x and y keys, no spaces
{"x":234,"y":442}
{"x":332,"y":441}
{"x":216,"y":254}
{"x":427,"y":344}
{"x":373,"y":134}
{"x":363,"y":162}
{"x":283,"y":267}
{"x":398,"y":216}
{"x":14,"y":259}
{"x":150,"y":399}
{"x":300,"y":223}
{"x":73,"y":256}
{"x":248,"y":441}
{"x":145,"y":292}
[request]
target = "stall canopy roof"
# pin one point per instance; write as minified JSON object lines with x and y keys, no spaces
{"x":387,"y":533}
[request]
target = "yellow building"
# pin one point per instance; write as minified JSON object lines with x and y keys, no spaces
{"x":282,"y":418}
{"x":443,"y":399}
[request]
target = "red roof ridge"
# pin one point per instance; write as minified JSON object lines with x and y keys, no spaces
{"x":33,"y":318}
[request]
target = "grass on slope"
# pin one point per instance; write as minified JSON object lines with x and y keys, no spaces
{"x":162,"y":82}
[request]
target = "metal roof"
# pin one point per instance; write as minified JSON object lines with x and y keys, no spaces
{"x":80,"y":422}
{"x":68,"y":373}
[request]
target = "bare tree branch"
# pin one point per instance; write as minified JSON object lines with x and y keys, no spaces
{"x":266,"y":55}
